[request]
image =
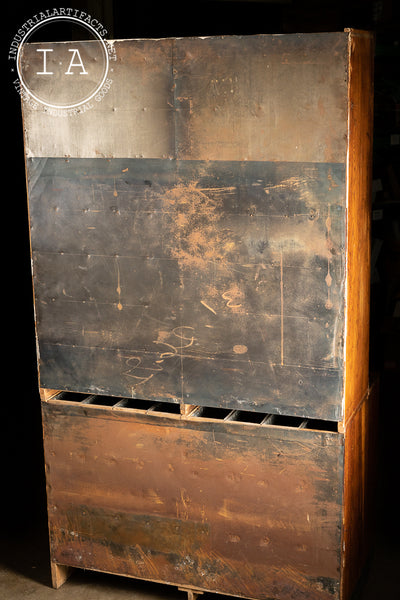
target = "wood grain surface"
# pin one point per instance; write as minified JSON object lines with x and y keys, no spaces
{"x":239,"y":509}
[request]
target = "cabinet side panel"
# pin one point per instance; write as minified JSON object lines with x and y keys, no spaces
{"x":358,"y":219}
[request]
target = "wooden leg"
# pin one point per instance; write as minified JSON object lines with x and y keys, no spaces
{"x":192,"y":594}
{"x":59,"y":574}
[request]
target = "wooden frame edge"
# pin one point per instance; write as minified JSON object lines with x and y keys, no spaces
{"x":359,"y":490}
{"x":358,"y":219}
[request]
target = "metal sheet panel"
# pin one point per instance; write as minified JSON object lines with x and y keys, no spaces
{"x":191,"y":281}
{"x":135,"y":118}
{"x":262,"y":97}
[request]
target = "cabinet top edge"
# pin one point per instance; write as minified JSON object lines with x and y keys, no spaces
{"x":345,"y":33}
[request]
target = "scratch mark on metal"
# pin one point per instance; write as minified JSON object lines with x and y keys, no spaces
{"x":209,"y":307}
{"x":281,"y":264}
{"x":119,"y":305}
{"x":328,"y":278}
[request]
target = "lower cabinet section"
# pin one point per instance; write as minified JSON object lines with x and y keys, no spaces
{"x":224,"y":501}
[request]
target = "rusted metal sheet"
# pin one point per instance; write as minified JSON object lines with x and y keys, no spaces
{"x":249,"y":510}
{"x":191,"y":281}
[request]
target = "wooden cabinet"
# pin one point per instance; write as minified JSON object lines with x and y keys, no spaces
{"x":200,"y":255}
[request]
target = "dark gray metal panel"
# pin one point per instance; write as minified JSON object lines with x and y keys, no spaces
{"x":191,"y":281}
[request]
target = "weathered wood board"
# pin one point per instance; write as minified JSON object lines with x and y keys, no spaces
{"x":193,"y":270}
{"x":249,"y":510}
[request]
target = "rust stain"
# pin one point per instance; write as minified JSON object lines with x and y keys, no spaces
{"x":332,"y":182}
{"x":193,"y":220}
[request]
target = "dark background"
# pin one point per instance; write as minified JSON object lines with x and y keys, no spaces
{"x":22,"y":472}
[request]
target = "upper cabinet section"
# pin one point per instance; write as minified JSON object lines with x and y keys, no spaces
{"x":200,"y":225}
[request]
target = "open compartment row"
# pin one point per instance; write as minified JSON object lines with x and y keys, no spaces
{"x":197,"y":412}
